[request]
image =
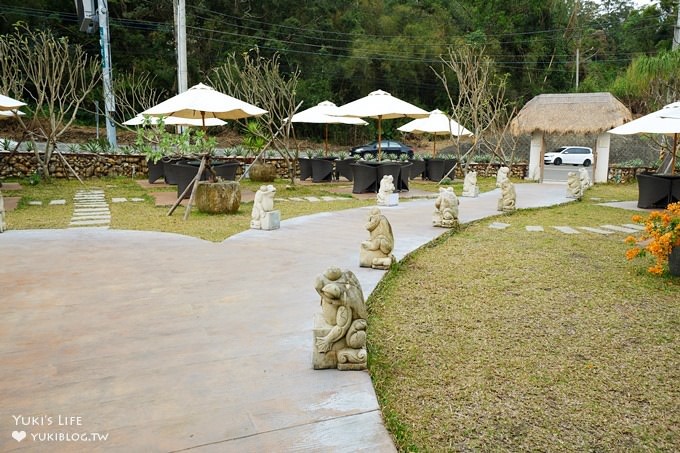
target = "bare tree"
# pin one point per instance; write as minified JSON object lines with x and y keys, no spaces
{"x":480,"y":103}
{"x":56,"y":75}
{"x":134,"y":93}
{"x":260,"y":81}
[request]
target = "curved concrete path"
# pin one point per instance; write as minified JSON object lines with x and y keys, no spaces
{"x":168,"y":343}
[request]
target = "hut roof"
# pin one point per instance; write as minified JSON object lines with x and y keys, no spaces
{"x":575,"y":113}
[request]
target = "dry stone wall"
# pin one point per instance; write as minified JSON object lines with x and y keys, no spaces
{"x":87,"y":165}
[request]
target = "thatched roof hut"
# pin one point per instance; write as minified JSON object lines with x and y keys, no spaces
{"x":576,"y":113}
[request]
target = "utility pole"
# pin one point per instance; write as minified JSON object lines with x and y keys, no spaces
{"x":91,"y":19}
{"x":676,"y":34}
{"x":578,"y":60}
{"x":109,"y":100}
{"x":181,"y":34}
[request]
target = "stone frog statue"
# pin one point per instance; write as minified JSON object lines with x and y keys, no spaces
{"x":376,"y":252}
{"x":574,"y":185}
{"x":386,"y":189}
{"x":586,"y":182}
{"x":502,"y":175}
{"x":340,"y":329}
{"x":263,"y":203}
{"x":445,"y":209}
{"x":470,"y":188}
{"x":508,"y":196}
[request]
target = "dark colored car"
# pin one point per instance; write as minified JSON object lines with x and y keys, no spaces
{"x":388,"y":147}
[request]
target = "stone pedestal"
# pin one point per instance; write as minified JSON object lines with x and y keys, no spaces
{"x":218,"y":197}
{"x":391,"y":200}
{"x":271,"y":220}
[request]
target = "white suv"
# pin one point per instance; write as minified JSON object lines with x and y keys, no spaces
{"x":575,"y":155}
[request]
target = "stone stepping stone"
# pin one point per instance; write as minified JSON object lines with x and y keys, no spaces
{"x":566,"y":230}
{"x":118,"y":200}
{"x":103,"y":218}
{"x":620,"y":229}
{"x":312,"y":199}
{"x":85,"y":199}
{"x":597,"y":230}
{"x":634,"y":226}
{"x":89,"y":222}
{"x":57,"y":202}
{"x":296,"y":199}
{"x":327,"y":198}
{"x":499,"y":225}
{"x":100,"y":209}
{"x":92,"y":205}
{"x":534,"y":228}
{"x":136,"y":199}
{"x":91,"y":212}
{"x":35,"y":203}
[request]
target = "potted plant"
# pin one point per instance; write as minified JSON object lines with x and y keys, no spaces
{"x":661,"y":239}
{"x":305,"y":164}
{"x":255,"y":140}
{"x":322,"y":167}
{"x":342,"y":165}
{"x":178,"y":150}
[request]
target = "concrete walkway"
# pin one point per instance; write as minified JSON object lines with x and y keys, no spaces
{"x":163,"y":342}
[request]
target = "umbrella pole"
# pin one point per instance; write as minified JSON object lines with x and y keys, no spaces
{"x":379,"y":139}
{"x":194,"y":186}
{"x":675,"y":150}
{"x":325,"y":140}
{"x":434,"y":150}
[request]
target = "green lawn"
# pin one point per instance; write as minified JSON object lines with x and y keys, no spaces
{"x":511,"y":340}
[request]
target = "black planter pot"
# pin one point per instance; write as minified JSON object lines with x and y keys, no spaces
{"x":155,"y":170}
{"x":185,"y":174}
{"x":322,"y":170}
{"x":305,"y":168}
{"x":364,"y":177}
{"x":169,"y":170}
{"x":227,"y":170}
{"x":342,"y":168}
{"x":404,"y":176}
{"x":417,"y":169}
{"x":436,"y":168}
{"x":389,"y":168}
{"x":653,"y":191}
{"x":674,"y":261}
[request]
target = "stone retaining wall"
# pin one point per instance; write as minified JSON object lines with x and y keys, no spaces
{"x":24,"y":164}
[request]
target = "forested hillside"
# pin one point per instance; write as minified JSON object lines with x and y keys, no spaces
{"x":344,"y":49}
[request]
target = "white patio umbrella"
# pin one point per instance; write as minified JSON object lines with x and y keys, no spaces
{"x":664,"y":121}
{"x":202,"y":102}
{"x":173,"y":120}
{"x":8,"y":103}
{"x":381,"y":105}
{"x":438,"y":123}
{"x":8,"y":114}
{"x":325,"y":113}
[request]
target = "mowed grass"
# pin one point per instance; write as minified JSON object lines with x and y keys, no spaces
{"x":146,"y":216}
{"x":510,"y":340}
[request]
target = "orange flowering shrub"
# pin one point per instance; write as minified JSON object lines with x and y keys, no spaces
{"x":661,"y":234}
